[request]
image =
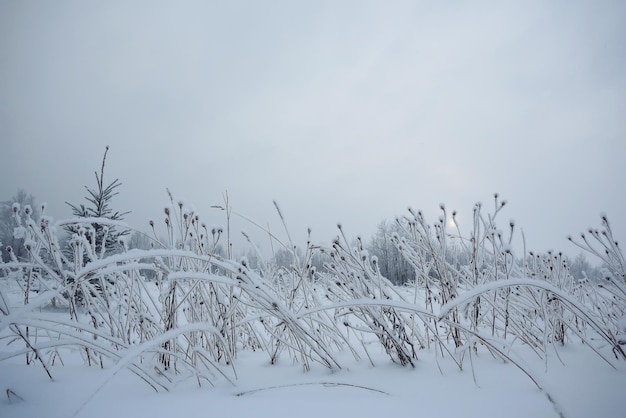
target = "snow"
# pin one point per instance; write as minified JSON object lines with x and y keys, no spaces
{"x":576,"y":384}
{"x":544,"y":379}
{"x":583,"y":386}
{"x":19,"y":232}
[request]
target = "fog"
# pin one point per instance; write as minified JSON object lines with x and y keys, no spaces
{"x":339,"y":111}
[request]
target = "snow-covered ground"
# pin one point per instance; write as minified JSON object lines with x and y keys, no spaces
{"x":132,"y":321}
{"x":582,"y":386}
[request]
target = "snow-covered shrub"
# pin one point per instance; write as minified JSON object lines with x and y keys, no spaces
{"x":119,"y":315}
{"x":449,"y":266}
{"x":355,"y":277}
{"x":607,"y":297}
{"x":185,"y":308}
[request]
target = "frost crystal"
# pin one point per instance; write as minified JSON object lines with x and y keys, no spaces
{"x":621,"y":323}
{"x":30,"y":244}
{"x":45,"y":221}
{"x":19,"y":232}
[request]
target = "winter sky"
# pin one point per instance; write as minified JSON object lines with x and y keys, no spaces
{"x":344,"y":111}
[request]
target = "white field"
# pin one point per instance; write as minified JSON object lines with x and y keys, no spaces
{"x":580,"y":383}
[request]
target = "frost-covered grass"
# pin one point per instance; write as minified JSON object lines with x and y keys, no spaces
{"x":180,"y":316}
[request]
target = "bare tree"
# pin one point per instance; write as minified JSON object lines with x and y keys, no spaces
{"x":391,"y":263}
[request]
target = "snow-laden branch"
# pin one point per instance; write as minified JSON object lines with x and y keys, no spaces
{"x":471,"y":294}
{"x":367,"y":302}
{"x":92,"y":220}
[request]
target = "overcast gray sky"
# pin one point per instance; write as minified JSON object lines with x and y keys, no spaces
{"x":341,"y":111}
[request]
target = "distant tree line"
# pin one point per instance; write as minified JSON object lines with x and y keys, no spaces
{"x":394,"y":266}
{"x":110,"y":238}
{"x":391,"y":263}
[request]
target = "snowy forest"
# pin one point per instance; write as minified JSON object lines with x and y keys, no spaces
{"x":180,"y":303}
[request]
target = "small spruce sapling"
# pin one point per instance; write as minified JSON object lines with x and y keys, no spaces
{"x":105,"y":237}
